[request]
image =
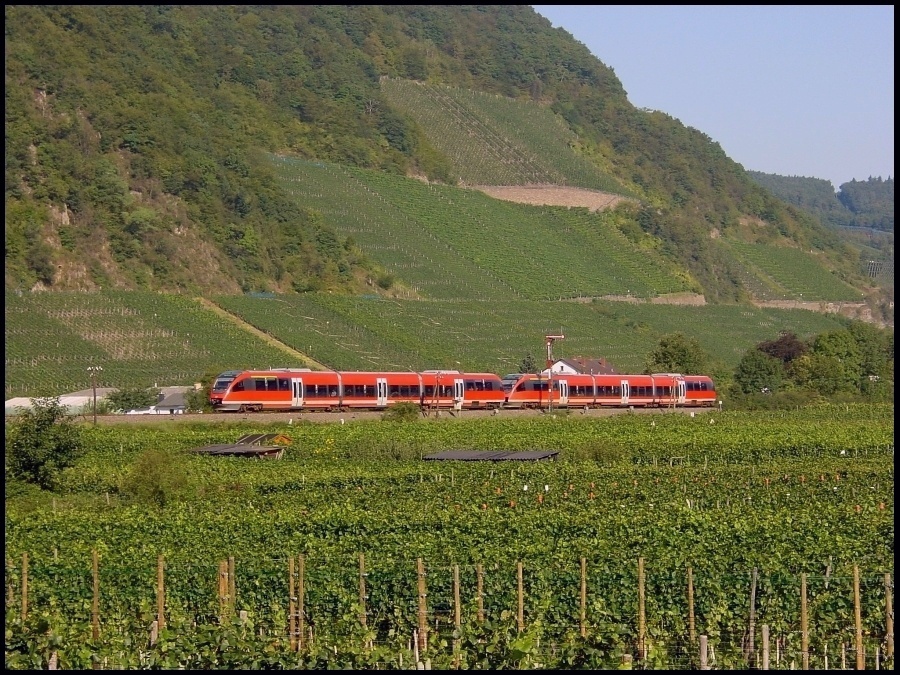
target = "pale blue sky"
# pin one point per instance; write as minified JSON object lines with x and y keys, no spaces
{"x":791,"y":90}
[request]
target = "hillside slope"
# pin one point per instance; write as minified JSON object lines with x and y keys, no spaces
{"x":138,"y":142}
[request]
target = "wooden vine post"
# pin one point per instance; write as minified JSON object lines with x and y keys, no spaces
{"x":292,"y":608}
{"x":888,"y":618}
{"x":232,"y":587}
{"x":160,"y":594}
{"x":24,"y":586}
{"x":857,"y":613}
{"x":692,"y":625}
{"x":583,"y":597}
{"x":642,"y":616}
{"x":362,"y":590}
{"x":457,"y":614}
{"x":223,"y":590}
{"x":423,"y":608}
{"x":95,"y":605}
{"x":520,"y":612}
{"x":479,"y":590}
{"x":301,"y":594}
{"x":751,"y":637}
{"x":804,"y":623}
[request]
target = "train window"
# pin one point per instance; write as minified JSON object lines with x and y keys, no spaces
{"x":284,"y":384}
{"x":238,"y":386}
{"x":394,"y":390}
{"x":332,"y":390}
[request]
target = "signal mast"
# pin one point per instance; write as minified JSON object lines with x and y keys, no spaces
{"x":550,"y":339}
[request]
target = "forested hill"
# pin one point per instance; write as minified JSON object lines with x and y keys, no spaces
{"x":139,"y":142}
{"x":868,"y":203}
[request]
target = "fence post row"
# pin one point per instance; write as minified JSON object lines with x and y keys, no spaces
{"x":297,"y":628}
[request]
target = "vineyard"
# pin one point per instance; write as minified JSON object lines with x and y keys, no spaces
{"x":362,"y":333}
{"x":495,"y":140}
{"x":788,"y":273}
{"x":142,"y":339}
{"x":665,"y":541}
{"x":450,"y":243}
{"x":139,"y":339}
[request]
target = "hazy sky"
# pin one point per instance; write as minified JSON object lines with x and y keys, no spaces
{"x":797,"y":91}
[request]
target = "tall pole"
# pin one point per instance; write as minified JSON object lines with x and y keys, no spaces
{"x":93,"y":370}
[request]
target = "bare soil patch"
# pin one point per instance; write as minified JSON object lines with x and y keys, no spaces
{"x":553,"y":195}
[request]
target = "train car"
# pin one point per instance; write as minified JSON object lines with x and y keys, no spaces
{"x":287,"y":389}
{"x":700,"y":391}
{"x":577,"y":391}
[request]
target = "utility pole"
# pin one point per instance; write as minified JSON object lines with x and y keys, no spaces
{"x":93,"y":370}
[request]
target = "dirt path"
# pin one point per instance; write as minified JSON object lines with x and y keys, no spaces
{"x":261,"y":335}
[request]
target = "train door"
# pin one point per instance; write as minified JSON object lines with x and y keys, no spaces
{"x":626,"y":392}
{"x":296,"y":392}
{"x":381,"y":390}
{"x":680,"y":391}
{"x":459,"y":393}
{"x":563,"y":392}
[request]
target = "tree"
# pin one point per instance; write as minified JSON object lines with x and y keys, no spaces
{"x":840,"y":348}
{"x":676,"y":353}
{"x":41,"y":442}
{"x":758,"y":372}
{"x":158,"y":476}
{"x":786,"y":348}
{"x":528,"y":364}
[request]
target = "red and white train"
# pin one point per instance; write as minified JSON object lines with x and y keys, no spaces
{"x":284,"y":389}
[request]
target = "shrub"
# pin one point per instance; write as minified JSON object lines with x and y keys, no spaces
{"x":42,"y":441}
{"x":401,"y":412}
{"x":157,"y":477}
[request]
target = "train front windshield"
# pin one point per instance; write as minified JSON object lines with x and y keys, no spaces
{"x":223,"y":380}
